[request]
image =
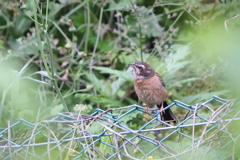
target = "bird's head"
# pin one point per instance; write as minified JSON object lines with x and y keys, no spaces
{"x":142,"y":70}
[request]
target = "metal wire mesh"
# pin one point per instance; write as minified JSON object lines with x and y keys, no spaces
{"x":109,"y":135}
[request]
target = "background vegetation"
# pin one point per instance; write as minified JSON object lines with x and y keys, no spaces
{"x":59,"y":54}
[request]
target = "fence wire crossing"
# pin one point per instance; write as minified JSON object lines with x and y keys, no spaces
{"x":111,"y":135}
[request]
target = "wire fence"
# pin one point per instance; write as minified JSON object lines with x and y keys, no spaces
{"x":109,"y":134}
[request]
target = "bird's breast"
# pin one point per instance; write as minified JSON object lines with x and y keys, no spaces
{"x":150,"y":91}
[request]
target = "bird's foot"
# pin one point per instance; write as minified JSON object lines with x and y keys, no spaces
{"x":162,"y":109}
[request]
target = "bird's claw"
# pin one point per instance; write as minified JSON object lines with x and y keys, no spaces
{"x":162,"y":109}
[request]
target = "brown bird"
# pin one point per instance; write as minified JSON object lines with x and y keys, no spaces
{"x":150,"y":89}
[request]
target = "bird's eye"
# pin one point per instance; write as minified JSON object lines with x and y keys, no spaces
{"x":140,"y":67}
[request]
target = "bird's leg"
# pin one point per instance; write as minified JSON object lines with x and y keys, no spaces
{"x":161,"y":108}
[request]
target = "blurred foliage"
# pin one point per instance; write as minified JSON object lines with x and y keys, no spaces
{"x":61,"y":53}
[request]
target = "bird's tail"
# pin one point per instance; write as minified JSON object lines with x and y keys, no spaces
{"x":167,"y":115}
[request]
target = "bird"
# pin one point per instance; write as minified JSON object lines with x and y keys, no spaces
{"x":150,"y":89}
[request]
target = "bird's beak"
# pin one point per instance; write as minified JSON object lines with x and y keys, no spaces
{"x":131,"y":64}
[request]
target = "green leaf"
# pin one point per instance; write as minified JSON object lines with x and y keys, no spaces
{"x":201,"y":97}
{"x":181,"y":82}
{"x":38,"y":81}
{"x":25,"y":67}
{"x":175,"y":62}
{"x":104,"y":148}
{"x":22,"y":24}
{"x":43,"y":73}
{"x":18,"y":49}
{"x":117,"y":84}
{"x":57,"y":109}
{"x":98,"y":84}
{"x":123,"y":74}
